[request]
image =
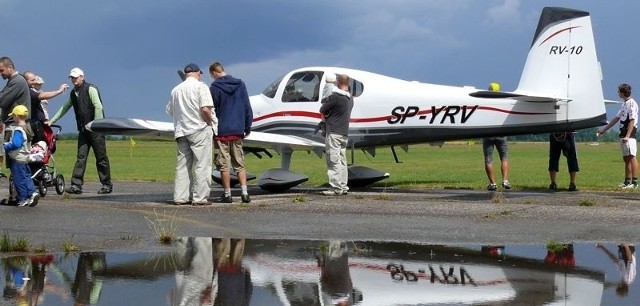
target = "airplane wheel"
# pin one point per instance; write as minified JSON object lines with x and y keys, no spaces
{"x":60,"y":184}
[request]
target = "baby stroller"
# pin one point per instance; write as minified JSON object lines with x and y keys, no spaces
{"x":44,"y":173}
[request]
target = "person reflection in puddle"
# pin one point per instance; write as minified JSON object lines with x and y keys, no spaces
{"x":194,"y":273}
{"x":17,"y":273}
{"x":561,"y":255}
{"x":626,"y":264}
{"x":493,"y":250}
{"x":40,"y":284}
{"x":233,"y":280}
{"x":335,"y":279}
{"x":85,"y":287}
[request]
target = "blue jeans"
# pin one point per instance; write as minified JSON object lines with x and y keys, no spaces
{"x":21,"y":175}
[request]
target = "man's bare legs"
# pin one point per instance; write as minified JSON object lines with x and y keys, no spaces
{"x":226,"y":184}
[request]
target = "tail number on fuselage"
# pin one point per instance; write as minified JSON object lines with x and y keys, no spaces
{"x":400,"y":114}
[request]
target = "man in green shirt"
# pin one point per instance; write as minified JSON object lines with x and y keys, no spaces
{"x":87,"y":105}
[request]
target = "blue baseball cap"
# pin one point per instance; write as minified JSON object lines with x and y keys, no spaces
{"x":192,"y":68}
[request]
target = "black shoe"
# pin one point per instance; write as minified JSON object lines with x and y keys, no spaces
{"x":226,"y":199}
{"x":105,"y":189}
{"x":553,"y":186}
{"x":245,"y":198}
{"x":74,"y":190}
{"x":9,"y":202}
{"x":572,"y":187}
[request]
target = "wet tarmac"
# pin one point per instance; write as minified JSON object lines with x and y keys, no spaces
{"x":223,"y":271}
{"x":131,"y":218}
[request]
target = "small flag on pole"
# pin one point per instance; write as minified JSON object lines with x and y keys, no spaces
{"x":132,"y":146}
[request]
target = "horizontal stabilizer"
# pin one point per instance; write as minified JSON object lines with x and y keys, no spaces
{"x":510,"y":95}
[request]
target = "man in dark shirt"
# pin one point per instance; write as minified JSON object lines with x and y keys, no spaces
{"x":336,"y":109}
{"x":38,"y":95}
{"x":87,"y":106}
{"x":235,"y":117}
{"x":16,"y":92}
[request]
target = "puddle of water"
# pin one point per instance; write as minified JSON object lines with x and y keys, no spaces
{"x":206,"y":271}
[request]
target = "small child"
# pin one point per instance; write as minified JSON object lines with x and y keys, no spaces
{"x":329,"y":85}
{"x":18,"y":151}
{"x":38,"y":150}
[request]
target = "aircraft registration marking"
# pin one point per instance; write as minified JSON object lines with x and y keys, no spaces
{"x":400,"y":114}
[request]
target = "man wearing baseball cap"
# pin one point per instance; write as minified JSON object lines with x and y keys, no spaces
{"x":191,"y":107}
{"x":87,"y":106}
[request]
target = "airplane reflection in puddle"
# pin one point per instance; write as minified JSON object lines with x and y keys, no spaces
{"x":206,"y":271}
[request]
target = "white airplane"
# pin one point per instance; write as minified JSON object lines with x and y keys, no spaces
{"x":413,"y":274}
{"x":299,"y":272}
{"x":559,"y":90}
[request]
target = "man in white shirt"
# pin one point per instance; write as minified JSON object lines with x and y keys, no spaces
{"x":628,"y":117}
{"x":195,"y":123}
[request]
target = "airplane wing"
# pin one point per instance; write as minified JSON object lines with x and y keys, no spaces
{"x":132,"y":127}
{"x":164,"y":130}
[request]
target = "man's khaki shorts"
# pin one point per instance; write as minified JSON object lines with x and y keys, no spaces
{"x":229,"y":154}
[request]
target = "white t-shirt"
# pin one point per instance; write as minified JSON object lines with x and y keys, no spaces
{"x":184,"y":106}
{"x":628,"y":110}
{"x":628,"y":271}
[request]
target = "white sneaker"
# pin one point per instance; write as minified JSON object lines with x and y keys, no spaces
{"x":24,"y":203}
{"x":506,"y":185}
{"x":622,"y":185}
{"x":630,"y":186}
{"x":33,"y":200}
{"x":335,"y":192}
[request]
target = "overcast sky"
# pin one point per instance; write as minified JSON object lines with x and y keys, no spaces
{"x":131,"y":49}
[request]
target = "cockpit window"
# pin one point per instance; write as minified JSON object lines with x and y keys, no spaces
{"x":355,"y":88}
{"x":270,"y":91}
{"x":303,"y":87}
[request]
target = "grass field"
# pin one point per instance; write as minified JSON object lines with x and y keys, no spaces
{"x":457,"y":165}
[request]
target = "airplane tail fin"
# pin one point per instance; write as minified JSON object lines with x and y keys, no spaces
{"x":562,"y":63}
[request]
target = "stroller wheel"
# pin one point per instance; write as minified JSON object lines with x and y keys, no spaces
{"x":42,"y":188}
{"x":13,"y":194}
{"x":59,"y":184}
